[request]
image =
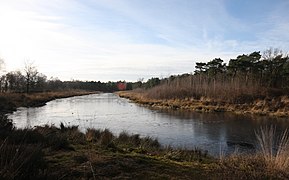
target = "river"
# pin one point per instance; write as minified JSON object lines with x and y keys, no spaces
{"x":218,"y":133}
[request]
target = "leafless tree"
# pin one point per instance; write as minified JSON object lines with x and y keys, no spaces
{"x":2,"y":64}
{"x":2,"y":77}
{"x":30,"y":75}
{"x":272,"y":53}
{"x":15,"y":81}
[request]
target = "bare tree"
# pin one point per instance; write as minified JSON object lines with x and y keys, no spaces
{"x":2,"y":64}
{"x":15,"y":81}
{"x":30,"y":75}
{"x":272,"y":53}
{"x":40,"y":82}
{"x":2,"y":77}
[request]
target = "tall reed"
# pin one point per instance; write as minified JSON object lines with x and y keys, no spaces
{"x":196,"y":86}
{"x":274,"y":148}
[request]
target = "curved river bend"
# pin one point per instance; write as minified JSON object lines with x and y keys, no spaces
{"x":215,"y":132}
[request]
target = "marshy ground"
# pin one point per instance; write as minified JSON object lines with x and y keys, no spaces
{"x":66,"y":153}
{"x":62,"y":152}
{"x":270,"y":106}
{"x":11,"y":101}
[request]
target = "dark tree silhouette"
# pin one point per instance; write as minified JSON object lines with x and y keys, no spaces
{"x":30,"y":75}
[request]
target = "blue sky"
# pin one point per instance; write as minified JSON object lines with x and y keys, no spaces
{"x":131,"y":39}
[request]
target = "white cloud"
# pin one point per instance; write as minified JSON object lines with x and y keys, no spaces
{"x":98,"y":40}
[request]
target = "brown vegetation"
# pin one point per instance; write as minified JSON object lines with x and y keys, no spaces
{"x":248,"y":84}
{"x":278,"y":106}
{"x":272,"y":158}
{"x":10,"y":101}
{"x":274,"y":149}
{"x":66,"y":153}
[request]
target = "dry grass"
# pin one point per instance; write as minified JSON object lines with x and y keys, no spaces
{"x":52,"y":152}
{"x":218,"y":93}
{"x":20,"y":161}
{"x":10,"y":101}
{"x":106,"y":138}
{"x":20,"y":152}
{"x":218,"y":88}
{"x":274,"y":149}
{"x":92,"y":135}
{"x":270,"y":162}
{"x":247,"y":167}
{"x":278,"y":107}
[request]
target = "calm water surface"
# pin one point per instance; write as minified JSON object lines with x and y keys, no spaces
{"x":215,"y":132}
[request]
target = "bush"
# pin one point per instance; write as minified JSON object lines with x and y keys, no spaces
{"x":150,"y":143}
{"x":28,"y":136}
{"x":21,"y":161}
{"x":106,"y":138}
{"x":186,"y":155}
{"x":54,"y":138}
{"x":134,"y":142}
{"x":6,"y":126}
{"x":126,"y":141}
{"x":92,"y":135}
{"x":123,"y":137}
{"x":6,"y":105}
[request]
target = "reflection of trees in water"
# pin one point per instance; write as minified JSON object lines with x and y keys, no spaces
{"x":206,"y":130}
{"x":226,"y":127}
{"x":28,"y":122}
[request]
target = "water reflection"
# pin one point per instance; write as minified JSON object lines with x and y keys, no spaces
{"x":210,"y":131}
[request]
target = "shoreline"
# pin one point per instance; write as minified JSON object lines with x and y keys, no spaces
{"x":9,"y":102}
{"x":67,"y":153}
{"x":56,"y":153}
{"x":276,"y":107}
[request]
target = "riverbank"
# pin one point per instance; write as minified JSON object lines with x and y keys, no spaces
{"x":9,"y":102}
{"x":50,"y":152}
{"x":278,"y":106}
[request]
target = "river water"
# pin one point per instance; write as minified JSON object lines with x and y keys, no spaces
{"x":218,"y":133}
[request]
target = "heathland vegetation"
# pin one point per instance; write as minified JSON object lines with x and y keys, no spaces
{"x":51,"y":152}
{"x":251,"y":83}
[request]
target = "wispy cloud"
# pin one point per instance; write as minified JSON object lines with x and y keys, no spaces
{"x":113,"y":40}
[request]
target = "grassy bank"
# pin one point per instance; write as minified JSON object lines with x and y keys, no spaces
{"x":66,"y":153}
{"x":10,"y":101}
{"x":273,"y":106}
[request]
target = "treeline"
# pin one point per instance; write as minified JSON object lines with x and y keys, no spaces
{"x":247,"y":77}
{"x":33,"y":81}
